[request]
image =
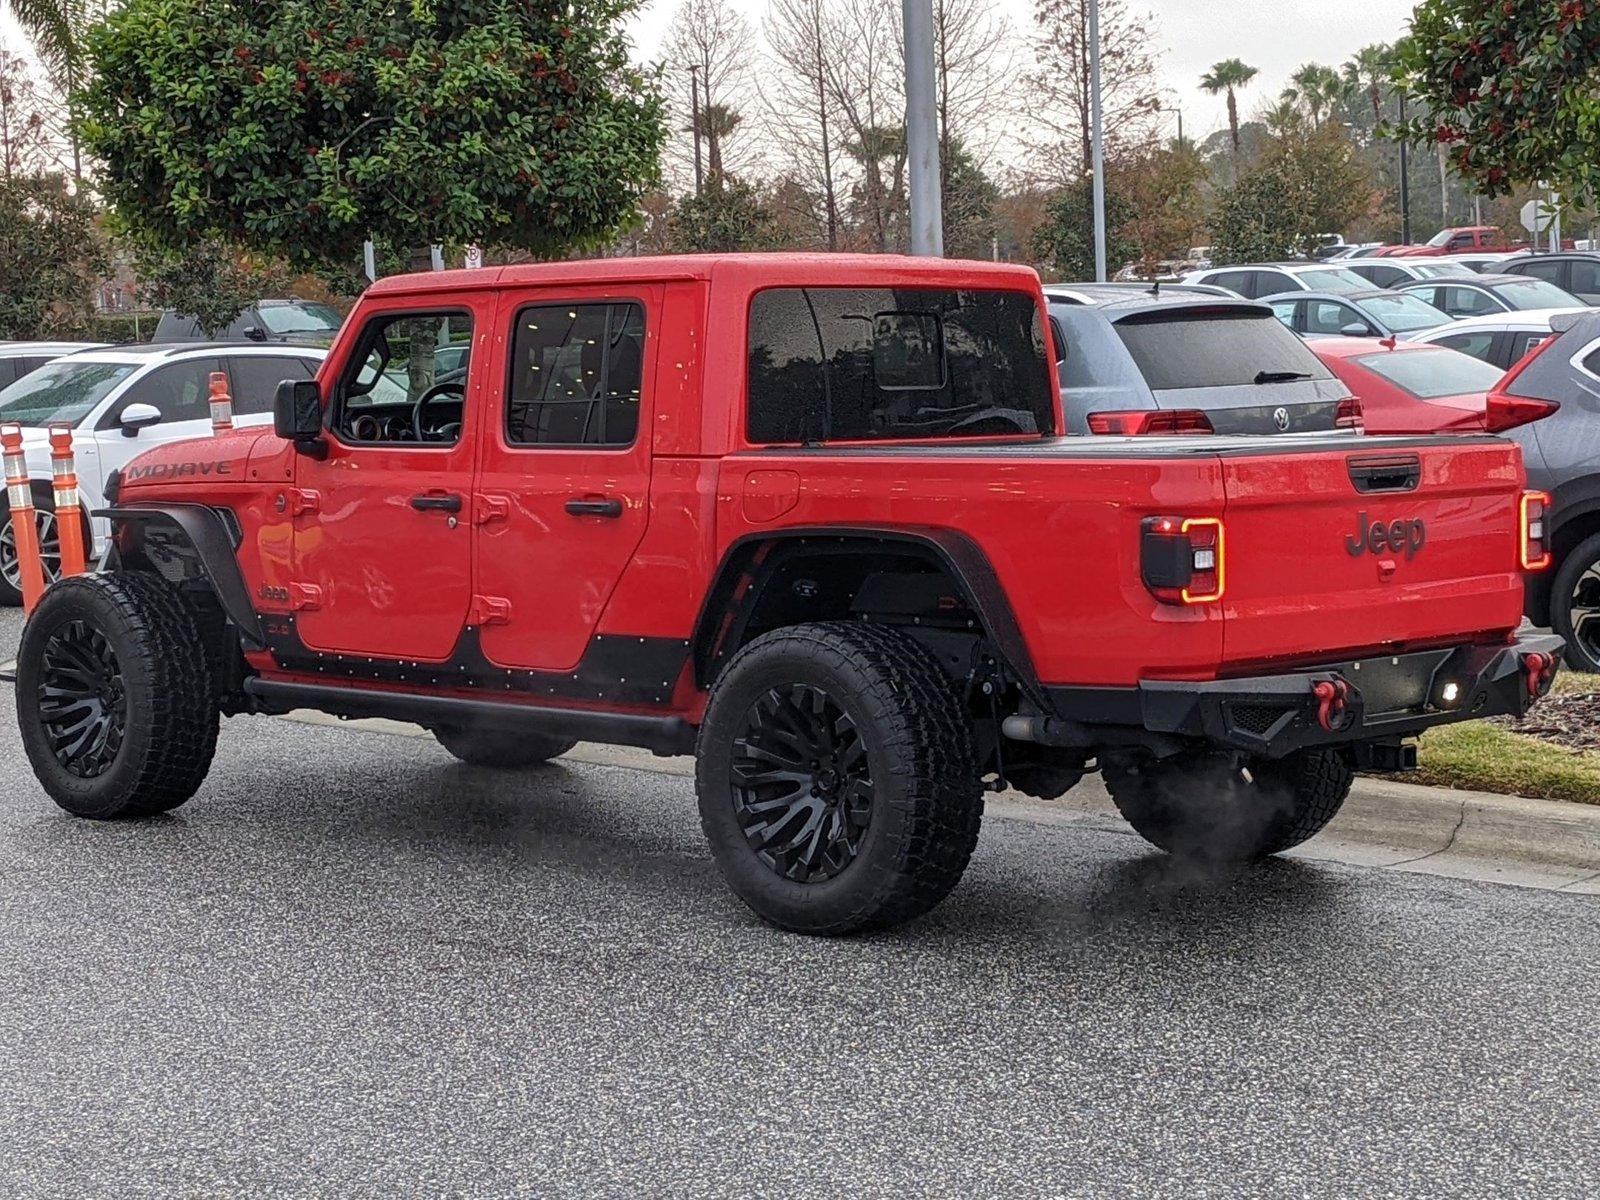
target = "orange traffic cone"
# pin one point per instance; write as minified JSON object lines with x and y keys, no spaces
{"x":19,"y":495}
{"x":221,"y":404}
{"x":69,"y":513}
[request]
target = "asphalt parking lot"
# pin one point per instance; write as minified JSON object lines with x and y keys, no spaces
{"x":352,"y":967}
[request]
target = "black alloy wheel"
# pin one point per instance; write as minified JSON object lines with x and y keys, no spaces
{"x":83,"y":704}
{"x":802,"y":787}
{"x":1583,"y":612}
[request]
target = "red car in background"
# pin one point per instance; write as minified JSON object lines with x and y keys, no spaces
{"x":1407,"y":387}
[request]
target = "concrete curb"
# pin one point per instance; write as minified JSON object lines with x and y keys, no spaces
{"x":1399,"y":826}
{"x":8,"y":672}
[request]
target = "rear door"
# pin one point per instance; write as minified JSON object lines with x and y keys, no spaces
{"x":564,"y":475}
{"x":1390,"y":543}
{"x":1237,"y":364}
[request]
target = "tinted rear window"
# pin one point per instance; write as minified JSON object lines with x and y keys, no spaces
{"x":1429,"y":374}
{"x":1213,"y":349}
{"x":870,"y":363}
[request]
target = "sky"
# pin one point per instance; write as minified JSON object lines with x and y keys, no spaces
{"x":1276,"y":36}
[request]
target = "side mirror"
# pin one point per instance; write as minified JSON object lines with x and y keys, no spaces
{"x":136,"y":417}
{"x":1356,"y":329}
{"x":255,"y":333}
{"x":297,"y":411}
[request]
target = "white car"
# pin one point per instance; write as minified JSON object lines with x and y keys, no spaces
{"x":122,"y":401}
{"x":23,"y":358}
{"x":1254,"y":280}
{"x":1392,"y":272}
{"x":1500,"y":339}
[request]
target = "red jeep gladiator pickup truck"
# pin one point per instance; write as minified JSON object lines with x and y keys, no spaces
{"x":813,"y":520}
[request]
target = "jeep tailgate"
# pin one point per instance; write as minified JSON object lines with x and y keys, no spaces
{"x":1391,"y":543}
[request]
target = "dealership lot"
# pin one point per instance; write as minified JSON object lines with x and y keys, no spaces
{"x":353,"y":966}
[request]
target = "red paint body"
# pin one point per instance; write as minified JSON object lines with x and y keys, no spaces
{"x":1058,"y":519}
{"x":1387,"y":407}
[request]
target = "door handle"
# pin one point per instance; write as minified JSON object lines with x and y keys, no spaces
{"x":436,"y":503}
{"x":598,"y":506}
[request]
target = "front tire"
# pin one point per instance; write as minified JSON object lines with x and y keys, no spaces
{"x":115,"y":697}
{"x":1210,"y":806}
{"x":837,"y":780}
{"x":500,"y":750}
{"x":1575,"y":604}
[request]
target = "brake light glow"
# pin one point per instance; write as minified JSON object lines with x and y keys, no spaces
{"x":1535,"y":545}
{"x":1135,"y":423}
{"x":1184,"y":560}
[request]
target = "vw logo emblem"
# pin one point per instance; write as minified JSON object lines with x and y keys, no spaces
{"x":1280,"y":418}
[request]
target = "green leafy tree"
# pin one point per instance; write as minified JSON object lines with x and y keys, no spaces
{"x":1063,"y":240}
{"x":727,"y":215}
{"x":970,"y":197}
{"x":1511,"y":89}
{"x":1228,"y":76}
{"x":300,"y":128}
{"x":1308,"y":182}
{"x":51,"y":259}
{"x":212,"y":281}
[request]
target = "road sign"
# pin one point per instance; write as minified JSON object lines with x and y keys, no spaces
{"x":1536,"y":216}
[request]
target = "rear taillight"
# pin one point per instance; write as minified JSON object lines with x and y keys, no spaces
{"x":1502,"y":411}
{"x":1150,"y":421}
{"x":1535,"y":524}
{"x":1184,"y":559}
{"x":1348,"y":415}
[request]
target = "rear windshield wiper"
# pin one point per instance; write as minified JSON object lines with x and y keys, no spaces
{"x":1281,"y":376}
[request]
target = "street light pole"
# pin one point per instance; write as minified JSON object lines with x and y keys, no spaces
{"x":1405,"y":182}
{"x":1097,"y":158}
{"x":694,"y":125}
{"x":922,"y":130}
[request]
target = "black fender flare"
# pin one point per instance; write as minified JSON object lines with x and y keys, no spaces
{"x":958,"y":554}
{"x":214,"y":542}
{"x":1573,"y":499}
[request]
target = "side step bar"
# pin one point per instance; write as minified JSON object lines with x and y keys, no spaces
{"x":663,"y":735}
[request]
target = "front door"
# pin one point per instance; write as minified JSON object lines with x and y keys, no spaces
{"x":383,"y":547}
{"x":564,"y":477}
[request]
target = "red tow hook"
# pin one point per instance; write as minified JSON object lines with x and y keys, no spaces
{"x":1541,"y":669}
{"x":1333,"y":697}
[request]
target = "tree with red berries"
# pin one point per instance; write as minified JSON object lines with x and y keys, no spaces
{"x":302,"y":127}
{"x":1511,"y":88}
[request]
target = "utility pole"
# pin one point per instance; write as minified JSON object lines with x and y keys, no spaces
{"x":694,"y":126}
{"x":1097,"y":158}
{"x":922,"y":130}
{"x":1180,"y":128}
{"x":1405,"y":182}
{"x":822,"y":114}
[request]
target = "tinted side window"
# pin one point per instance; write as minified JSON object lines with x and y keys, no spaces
{"x":1465,"y":302}
{"x":1585,"y":278}
{"x":869,"y":363}
{"x":1326,"y":316}
{"x":182,"y":391}
{"x":256,"y":378}
{"x":1270,"y":283}
{"x":1234,"y":281}
{"x":1386,"y":276}
{"x":1479,"y":345}
{"x":8,"y":370}
{"x":1538,"y":269}
{"x":577,"y":373}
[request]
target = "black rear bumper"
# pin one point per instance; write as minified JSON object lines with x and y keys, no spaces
{"x":1391,"y":697}
{"x":1356,"y":701}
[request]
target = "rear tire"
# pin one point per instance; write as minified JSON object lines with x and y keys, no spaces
{"x":115,"y":697}
{"x":1203,"y":805}
{"x":837,"y":779}
{"x":500,"y":750}
{"x":1575,"y":604}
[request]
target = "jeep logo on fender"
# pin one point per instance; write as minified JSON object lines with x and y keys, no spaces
{"x":1397,"y":537}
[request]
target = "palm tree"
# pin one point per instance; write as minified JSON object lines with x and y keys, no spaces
{"x":717,"y":123}
{"x":1317,"y":87}
{"x":55,"y":27}
{"x":1228,"y":76}
{"x":1368,"y":69}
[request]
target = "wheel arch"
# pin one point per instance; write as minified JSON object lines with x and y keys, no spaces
{"x":211,"y":539}
{"x":741,"y":600}
{"x":1575,"y":506}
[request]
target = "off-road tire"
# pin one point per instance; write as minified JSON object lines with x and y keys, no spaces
{"x":1201,"y":805}
{"x":1578,"y":561}
{"x":170,"y":722}
{"x":500,"y":749}
{"x":927,"y":799}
